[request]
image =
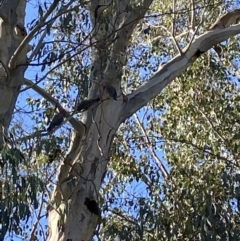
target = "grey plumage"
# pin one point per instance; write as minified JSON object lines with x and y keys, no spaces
{"x":57,"y":120}
{"x":86,"y":104}
{"x":111,"y":91}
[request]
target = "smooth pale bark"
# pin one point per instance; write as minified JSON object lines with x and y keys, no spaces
{"x":11,"y":14}
{"x":84,"y":167}
{"x":88,"y":157}
{"x":86,"y":162}
{"x":175,"y":67}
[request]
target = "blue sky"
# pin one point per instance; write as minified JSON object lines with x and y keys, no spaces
{"x":31,"y":72}
{"x":31,"y":13}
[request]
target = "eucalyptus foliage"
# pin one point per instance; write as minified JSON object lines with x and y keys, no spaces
{"x":174,"y":172}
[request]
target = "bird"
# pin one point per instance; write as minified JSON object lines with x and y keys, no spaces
{"x":111,"y":91}
{"x":226,"y":20}
{"x":86,"y":104}
{"x":54,"y":154}
{"x":57,"y":120}
{"x":92,"y":206}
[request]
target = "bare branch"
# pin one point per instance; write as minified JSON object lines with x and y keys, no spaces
{"x":34,"y":228}
{"x":160,"y":36}
{"x":155,"y":156}
{"x":126,"y":218}
{"x":35,"y":134}
{"x":37,"y":48}
{"x":192,"y":15}
{"x":79,"y":126}
{"x":194,"y":33}
{"x":50,"y":23}
{"x":172,"y":37}
{"x":52,"y":69}
{"x":168,"y":72}
{"x":173,"y":29}
{"x":221,"y":137}
{"x":29,"y":37}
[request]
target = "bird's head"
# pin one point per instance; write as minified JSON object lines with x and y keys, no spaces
{"x":64,"y":112}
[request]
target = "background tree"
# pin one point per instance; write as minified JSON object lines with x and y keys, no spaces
{"x":173,"y":172}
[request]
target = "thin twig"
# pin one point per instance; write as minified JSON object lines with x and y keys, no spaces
{"x":34,"y":228}
{"x":158,"y":161}
{"x":29,"y":37}
{"x":195,"y":32}
{"x":40,"y":42}
{"x":173,"y":29}
{"x":192,"y":15}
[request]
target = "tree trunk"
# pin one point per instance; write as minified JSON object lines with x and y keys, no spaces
{"x":86,"y":164}
{"x":12,"y":15}
{"x":81,"y":174}
{"x":84,"y":168}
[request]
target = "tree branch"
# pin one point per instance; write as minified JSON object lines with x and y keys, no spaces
{"x":172,"y":36}
{"x":173,"y":29}
{"x":124,"y":34}
{"x":207,"y":150}
{"x":155,"y":156}
{"x":126,"y":218}
{"x":38,"y":217}
{"x":37,"y":48}
{"x":29,"y":37}
{"x":77,"y":125}
{"x":168,"y":72}
{"x":193,"y":15}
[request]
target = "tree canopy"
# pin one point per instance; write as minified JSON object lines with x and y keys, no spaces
{"x":119,"y":120}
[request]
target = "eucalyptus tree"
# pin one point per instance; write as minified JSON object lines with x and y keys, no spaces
{"x":120,"y":55}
